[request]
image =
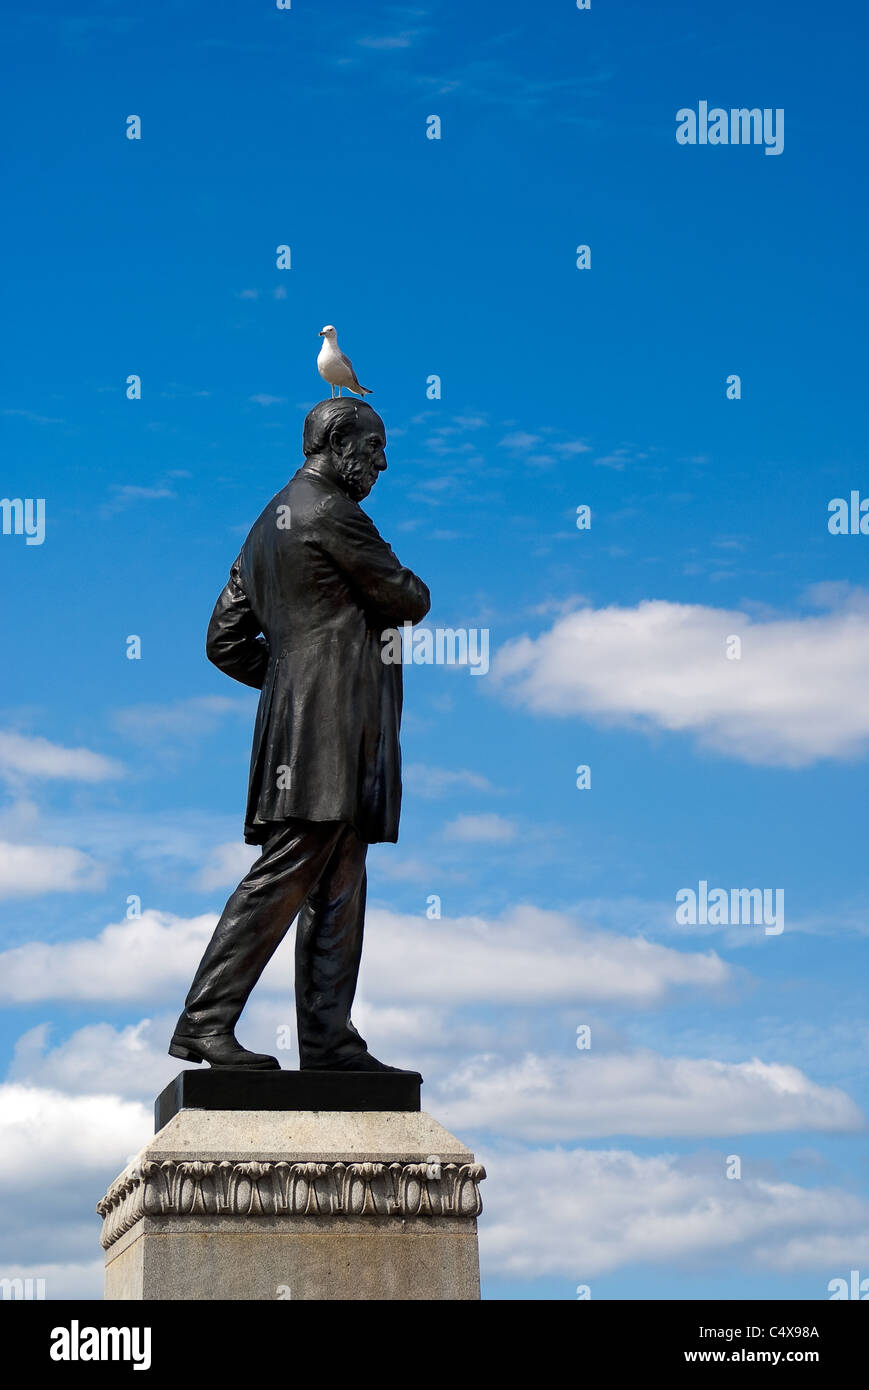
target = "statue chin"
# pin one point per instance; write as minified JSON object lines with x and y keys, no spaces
{"x":358,"y":482}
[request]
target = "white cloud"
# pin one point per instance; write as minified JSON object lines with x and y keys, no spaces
{"x":407,"y":869}
{"x":638,"y":1093}
{"x":527,"y":956}
{"x":581,"y":1213}
{"x":484,"y":829}
{"x":76,"y":1280}
{"x":132,"y":1061}
{"x":58,"y":1154}
{"x":182,"y":719}
{"x":35,"y":418}
{"x":149,"y":957}
{"x":835,"y":1252}
{"x":535,"y":1099}
{"x":520,"y":440}
{"x":42,"y":1130}
{"x":385,"y":42}
{"x":572,"y":446}
{"x":796,"y":695}
{"x":575,"y":1214}
{"x":127,"y":495}
{"x":174,"y":842}
{"x":433,"y":782}
{"x":29,"y":870}
{"x":226,"y":865}
{"x":619,"y":458}
{"x":37,"y":757}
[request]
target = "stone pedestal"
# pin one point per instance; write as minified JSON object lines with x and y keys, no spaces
{"x":295,"y":1204}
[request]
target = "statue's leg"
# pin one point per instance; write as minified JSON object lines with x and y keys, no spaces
{"x":254,"y":923}
{"x":328,"y":952}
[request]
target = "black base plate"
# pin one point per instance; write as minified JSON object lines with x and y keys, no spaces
{"x":225,"y":1088}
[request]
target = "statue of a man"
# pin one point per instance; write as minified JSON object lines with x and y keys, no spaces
{"x":301,"y":620}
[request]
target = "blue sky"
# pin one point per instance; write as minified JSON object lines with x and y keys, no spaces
{"x":560,"y":387}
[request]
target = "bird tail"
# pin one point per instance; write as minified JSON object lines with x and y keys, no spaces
{"x":363,"y":390}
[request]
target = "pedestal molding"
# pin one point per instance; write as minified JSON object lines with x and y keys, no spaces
{"x":251,"y":1187}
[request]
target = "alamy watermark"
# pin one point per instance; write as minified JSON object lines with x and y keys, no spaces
{"x":734,"y":907}
{"x":440,"y":646}
{"x":739,"y":126}
{"x":22,"y":1288}
{"x":23,"y":516}
{"x":849,"y":516}
{"x":77,"y":1343}
{"x":853,"y":1288}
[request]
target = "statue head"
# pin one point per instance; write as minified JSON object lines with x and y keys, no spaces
{"x":349,"y":438}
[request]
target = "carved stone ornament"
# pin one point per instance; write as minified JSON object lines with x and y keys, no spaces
{"x":251,"y":1188}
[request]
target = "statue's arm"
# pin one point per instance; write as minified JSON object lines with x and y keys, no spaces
{"x":393,"y":592}
{"x":233,"y":642}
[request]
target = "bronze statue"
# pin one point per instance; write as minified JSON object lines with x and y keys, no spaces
{"x":301,"y":620}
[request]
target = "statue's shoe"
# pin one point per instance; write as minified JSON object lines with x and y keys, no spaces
{"x":362,"y":1061}
{"x":220,"y":1050}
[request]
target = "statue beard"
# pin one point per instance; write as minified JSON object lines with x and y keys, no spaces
{"x":357,"y":475}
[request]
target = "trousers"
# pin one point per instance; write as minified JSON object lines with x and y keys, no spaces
{"x":313,"y":870}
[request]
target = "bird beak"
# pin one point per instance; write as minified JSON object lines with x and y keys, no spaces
{"x":321,"y":334}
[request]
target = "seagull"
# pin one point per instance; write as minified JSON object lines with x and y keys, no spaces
{"x":334,"y":367}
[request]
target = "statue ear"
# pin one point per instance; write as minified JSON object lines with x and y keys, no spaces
{"x":338,"y":440}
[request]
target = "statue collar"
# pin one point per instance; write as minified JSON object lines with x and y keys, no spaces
{"x":324,"y":469}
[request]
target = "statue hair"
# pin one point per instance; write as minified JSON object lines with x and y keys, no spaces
{"x":339,"y":414}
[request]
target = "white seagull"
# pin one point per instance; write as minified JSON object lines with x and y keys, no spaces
{"x":334,"y":367}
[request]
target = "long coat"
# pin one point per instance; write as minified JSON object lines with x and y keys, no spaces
{"x":301,"y":620}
